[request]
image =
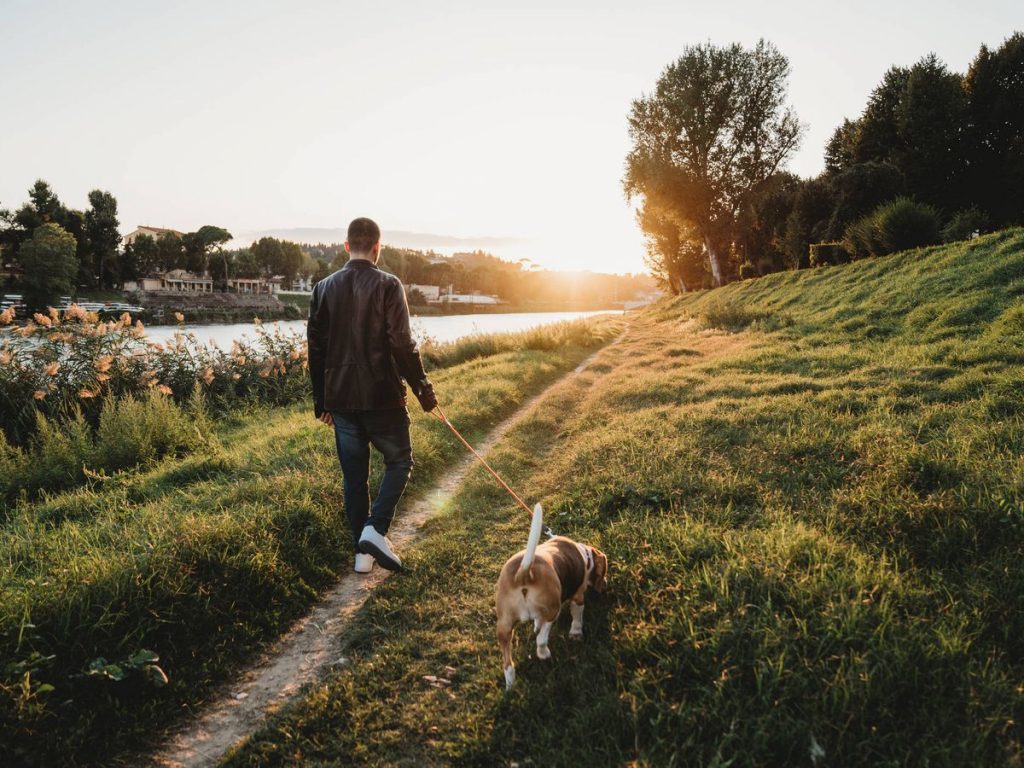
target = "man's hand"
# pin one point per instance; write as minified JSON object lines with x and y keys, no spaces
{"x":326,"y":418}
{"x":425,"y":394}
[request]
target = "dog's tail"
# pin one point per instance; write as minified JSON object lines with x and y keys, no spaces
{"x":531,"y":544}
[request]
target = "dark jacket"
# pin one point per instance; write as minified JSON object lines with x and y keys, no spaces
{"x":360,"y":343}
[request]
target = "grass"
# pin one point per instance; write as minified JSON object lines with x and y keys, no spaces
{"x":815,"y":521}
{"x":201,"y":559}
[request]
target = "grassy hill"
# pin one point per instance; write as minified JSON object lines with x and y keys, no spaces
{"x":811,"y":491}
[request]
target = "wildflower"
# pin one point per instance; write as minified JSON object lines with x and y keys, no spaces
{"x":39,"y":394}
{"x":103,"y":363}
{"x":101,"y":328}
{"x":75,"y":312}
{"x":101,"y":377}
{"x":179,"y":317}
{"x":236,"y":376}
{"x":256,"y":321}
{"x":294,"y":354}
{"x":208,"y":375}
{"x":26,"y":330}
{"x":264,"y":372}
{"x":5,"y":357}
{"x":7,"y":316}
{"x":54,"y":314}
{"x":240,"y":360}
{"x":52,"y":368}
{"x":126,"y":319}
{"x":42,"y":319}
{"x":165,"y":389}
{"x":85,"y":394}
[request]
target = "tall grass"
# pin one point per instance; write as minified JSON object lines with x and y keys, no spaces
{"x":569,"y":333}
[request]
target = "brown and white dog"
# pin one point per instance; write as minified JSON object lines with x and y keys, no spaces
{"x":535,"y":582}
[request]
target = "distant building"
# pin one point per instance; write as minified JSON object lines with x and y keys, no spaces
{"x":183,"y":281}
{"x":430,"y":292}
{"x":467,"y":298}
{"x":155,"y":232}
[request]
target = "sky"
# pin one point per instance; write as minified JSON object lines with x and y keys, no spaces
{"x":460,"y":119}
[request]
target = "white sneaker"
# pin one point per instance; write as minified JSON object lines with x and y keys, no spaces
{"x":364,"y":563}
{"x":372,"y":543}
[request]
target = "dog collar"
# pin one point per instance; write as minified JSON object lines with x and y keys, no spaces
{"x":588,"y":563}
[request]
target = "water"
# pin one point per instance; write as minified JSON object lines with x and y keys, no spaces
{"x":439,"y":328}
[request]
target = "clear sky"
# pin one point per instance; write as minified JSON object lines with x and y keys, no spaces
{"x":454,"y":118}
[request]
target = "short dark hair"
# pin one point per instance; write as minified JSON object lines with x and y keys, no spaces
{"x":363,"y":234}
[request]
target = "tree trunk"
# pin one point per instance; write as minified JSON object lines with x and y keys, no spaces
{"x":715,"y":260}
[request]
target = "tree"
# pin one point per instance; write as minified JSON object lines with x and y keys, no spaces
{"x":676,"y":260}
{"x":170,"y":250}
{"x":210,"y":240}
{"x":914,"y":121}
{"x":715,"y":127}
{"x":994,"y":85}
{"x":48,"y":263}
{"x":102,"y":237}
{"x":268,"y":253}
{"x":291,"y":261}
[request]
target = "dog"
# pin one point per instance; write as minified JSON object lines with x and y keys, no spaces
{"x":536,"y":582}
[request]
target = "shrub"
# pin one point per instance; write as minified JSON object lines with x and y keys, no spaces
{"x":747,"y":270}
{"x":58,"y":365}
{"x":894,"y":226}
{"x":135,"y":432}
{"x":964,"y":224}
{"x":828,"y":254}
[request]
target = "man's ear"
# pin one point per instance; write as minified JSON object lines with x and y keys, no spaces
{"x":347,"y":249}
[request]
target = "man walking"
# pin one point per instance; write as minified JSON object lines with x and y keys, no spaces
{"x":360,"y":349}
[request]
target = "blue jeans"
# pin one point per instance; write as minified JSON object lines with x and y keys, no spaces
{"x":388,"y":432}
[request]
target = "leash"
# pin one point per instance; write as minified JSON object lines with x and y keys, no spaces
{"x":440,"y":416}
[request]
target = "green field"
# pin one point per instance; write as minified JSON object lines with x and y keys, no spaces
{"x":811,"y":490}
{"x":204,"y":558}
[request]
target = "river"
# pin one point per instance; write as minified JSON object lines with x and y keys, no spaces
{"x":437,"y":327}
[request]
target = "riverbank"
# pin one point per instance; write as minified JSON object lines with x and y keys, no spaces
{"x":203,"y":559}
{"x":810,"y":490}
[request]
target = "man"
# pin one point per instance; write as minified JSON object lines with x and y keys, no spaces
{"x":360,"y":349}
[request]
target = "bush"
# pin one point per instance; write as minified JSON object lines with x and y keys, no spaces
{"x":136,"y":432}
{"x":59,"y":365}
{"x":747,"y":270}
{"x":828,"y":254}
{"x":895,"y":226}
{"x":965,"y":224}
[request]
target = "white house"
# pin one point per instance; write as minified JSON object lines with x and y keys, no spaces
{"x":430,"y":292}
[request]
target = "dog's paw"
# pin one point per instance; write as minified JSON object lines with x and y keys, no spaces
{"x":510,"y":678}
{"x":543,"y":652}
{"x":576,"y":635}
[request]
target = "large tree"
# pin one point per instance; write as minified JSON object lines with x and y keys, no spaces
{"x":102,"y":237}
{"x":995,"y":94}
{"x":716,"y":126}
{"x":48,"y":264}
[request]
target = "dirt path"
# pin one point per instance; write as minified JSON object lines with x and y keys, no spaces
{"x":311,"y":645}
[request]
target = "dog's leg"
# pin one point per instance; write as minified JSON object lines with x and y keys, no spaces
{"x":505,"y":644}
{"x":576,"y":629}
{"x":543,"y":652}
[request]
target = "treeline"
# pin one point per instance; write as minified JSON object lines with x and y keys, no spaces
{"x":54,"y":248}
{"x":51,"y":250}
{"x":517,"y":282}
{"x":935,"y":156}
{"x":267,"y":257}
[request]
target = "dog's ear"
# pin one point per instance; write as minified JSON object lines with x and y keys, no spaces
{"x":600,"y":569}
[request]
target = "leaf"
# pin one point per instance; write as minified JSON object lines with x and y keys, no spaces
{"x":143,"y":656}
